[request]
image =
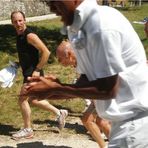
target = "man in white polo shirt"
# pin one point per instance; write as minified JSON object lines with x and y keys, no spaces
{"x":111,"y":55}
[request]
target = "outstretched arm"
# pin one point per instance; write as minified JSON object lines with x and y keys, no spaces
{"x":102,"y":89}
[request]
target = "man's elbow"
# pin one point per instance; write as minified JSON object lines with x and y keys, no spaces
{"x":48,"y":53}
{"x":112,"y":93}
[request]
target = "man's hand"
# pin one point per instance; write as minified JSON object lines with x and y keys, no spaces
{"x":41,"y":87}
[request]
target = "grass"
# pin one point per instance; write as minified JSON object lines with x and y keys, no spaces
{"x":48,"y":31}
{"x":138,"y":14}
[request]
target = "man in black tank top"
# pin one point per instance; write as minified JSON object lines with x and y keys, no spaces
{"x":28,"y":46}
{"x":27,"y":53}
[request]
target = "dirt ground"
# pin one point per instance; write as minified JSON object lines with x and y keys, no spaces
{"x":47,"y":135}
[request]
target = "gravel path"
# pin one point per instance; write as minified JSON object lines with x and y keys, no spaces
{"x":51,"y":141}
{"x":72,"y":136}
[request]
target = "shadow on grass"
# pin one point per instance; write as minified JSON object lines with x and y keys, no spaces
{"x":79,"y":129}
{"x":35,"y":145}
{"x":6,"y":129}
{"x":7,"y":39}
{"x":144,"y":39}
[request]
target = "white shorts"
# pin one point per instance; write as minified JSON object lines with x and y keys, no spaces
{"x":131,"y":133}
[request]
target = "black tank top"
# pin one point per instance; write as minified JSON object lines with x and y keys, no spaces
{"x":28,"y":54}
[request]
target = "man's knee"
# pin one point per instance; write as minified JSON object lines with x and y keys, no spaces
{"x":87,"y":120}
{"x":33,"y":102}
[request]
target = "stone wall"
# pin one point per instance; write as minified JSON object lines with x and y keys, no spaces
{"x":29,"y":7}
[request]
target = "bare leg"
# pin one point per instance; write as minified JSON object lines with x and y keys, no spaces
{"x":104,"y":125}
{"x":88,"y":120}
{"x":45,"y":105}
{"x":25,"y":109}
{"x":61,"y":114}
{"x":23,"y":102}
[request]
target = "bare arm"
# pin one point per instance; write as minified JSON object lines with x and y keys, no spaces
{"x":35,"y":41}
{"x":102,"y":89}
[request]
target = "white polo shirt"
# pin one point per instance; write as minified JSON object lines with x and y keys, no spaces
{"x":106,"y":44}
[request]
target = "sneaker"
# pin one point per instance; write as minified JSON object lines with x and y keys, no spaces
{"x":61,"y":118}
{"x":104,"y":137}
{"x":23,"y":133}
